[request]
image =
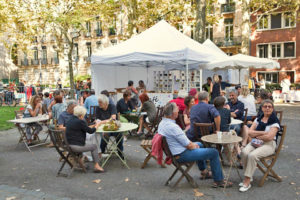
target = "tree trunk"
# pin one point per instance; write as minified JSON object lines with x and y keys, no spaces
{"x":200,"y":20}
{"x":72,"y":93}
{"x":246,"y":28}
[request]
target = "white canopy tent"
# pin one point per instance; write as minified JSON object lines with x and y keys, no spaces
{"x":161,"y":46}
{"x":239,"y":62}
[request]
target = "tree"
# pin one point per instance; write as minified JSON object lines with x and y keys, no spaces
{"x":254,"y":10}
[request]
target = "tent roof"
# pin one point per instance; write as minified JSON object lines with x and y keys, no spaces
{"x":208,"y":43}
{"x":159,"y":45}
{"x":240,"y":61}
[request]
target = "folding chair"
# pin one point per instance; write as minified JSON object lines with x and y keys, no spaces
{"x":268,"y":162}
{"x":56,"y":137}
{"x":92,"y":115}
{"x":147,"y":146}
{"x":179,"y":167}
{"x":180,"y":119}
{"x":154,"y":126}
{"x":202,"y":129}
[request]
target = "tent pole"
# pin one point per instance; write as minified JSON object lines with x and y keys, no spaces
{"x":201,"y":72}
{"x":187,"y":75}
{"x":240,"y":76}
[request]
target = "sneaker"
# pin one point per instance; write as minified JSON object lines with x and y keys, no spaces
{"x":244,"y":188}
{"x":242,"y":184}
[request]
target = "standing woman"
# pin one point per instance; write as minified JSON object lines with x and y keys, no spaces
{"x":33,"y":109}
{"x":215,"y":88}
{"x":285,"y":84}
{"x":262,"y":82}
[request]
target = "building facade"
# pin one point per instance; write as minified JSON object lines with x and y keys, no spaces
{"x":45,"y":65}
{"x":277,"y":36}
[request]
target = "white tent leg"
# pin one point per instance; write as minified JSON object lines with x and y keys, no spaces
{"x":187,"y":75}
{"x":201,"y":79}
{"x":239,"y":76}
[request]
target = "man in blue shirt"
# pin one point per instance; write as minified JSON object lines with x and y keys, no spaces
{"x":65,"y":116}
{"x":186,"y":151}
{"x":92,"y":100}
{"x":236,"y":110}
{"x":203,"y":113}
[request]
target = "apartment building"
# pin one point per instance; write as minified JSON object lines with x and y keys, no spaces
{"x":45,"y":65}
{"x":277,"y":36}
{"x":227,"y":32}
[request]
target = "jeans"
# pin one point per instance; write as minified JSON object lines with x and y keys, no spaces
{"x":201,"y":155}
{"x":38,"y":129}
{"x":237,"y":128}
{"x":118,"y":137}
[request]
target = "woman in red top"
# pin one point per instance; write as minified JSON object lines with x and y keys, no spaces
{"x":180,"y":100}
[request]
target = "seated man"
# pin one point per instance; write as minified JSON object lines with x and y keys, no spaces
{"x":65,"y":116}
{"x":236,"y":108}
{"x":106,"y":112}
{"x":92,"y":100}
{"x":186,"y":151}
{"x":203,"y":113}
{"x":124,"y":107}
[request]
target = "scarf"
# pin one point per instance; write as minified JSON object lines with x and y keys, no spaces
{"x":272,"y":120}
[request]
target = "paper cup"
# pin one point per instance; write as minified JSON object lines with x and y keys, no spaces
{"x":219,"y":134}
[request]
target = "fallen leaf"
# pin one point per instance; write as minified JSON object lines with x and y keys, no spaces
{"x":10,"y":198}
{"x":292,"y":183}
{"x":86,"y":186}
{"x":22,"y":186}
{"x":38,"y":190}
{"x":25,"y":182}
{"x":126,"y":179}
{"x":197,"y":193}
{"x":99,"y":188}
{"x":97,"y":181}
{"x":298,"y":159}
{"x":126,"y":198}
{"x":137,"y":183}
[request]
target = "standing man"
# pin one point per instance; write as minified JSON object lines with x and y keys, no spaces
{"x":206,"y":86}
{"x":224,"y":84}
{"x":203,"y":113}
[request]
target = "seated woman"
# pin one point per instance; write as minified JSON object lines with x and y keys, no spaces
{"x":58,"y":107}
{"x":219,"y":103}
{"x":106,"y":112}
{"x":263,"y":131}
{"x":125,"y":106}
{"x":33,"y":109}
{"x":189,"y":101}
{"x":148,"y":107}
{"x":76,"y":134}
{"x":249,"y":102}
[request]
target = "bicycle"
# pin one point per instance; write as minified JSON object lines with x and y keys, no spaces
{"x":8,"y":98}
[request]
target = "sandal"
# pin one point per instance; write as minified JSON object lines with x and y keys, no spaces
{"x":206,"y":175}
{"x":221,"y":184}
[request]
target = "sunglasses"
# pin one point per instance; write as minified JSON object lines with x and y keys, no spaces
{"x":269,"y":107}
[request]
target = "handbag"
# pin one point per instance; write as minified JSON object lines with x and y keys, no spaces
{"x":256,"y":142}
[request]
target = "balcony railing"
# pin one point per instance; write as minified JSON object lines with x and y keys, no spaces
{"x":88,"y":34}
{"x":54,"y":61}
{"x":35,"y":62}
{"x":225,"y":42}
{"x":227,"y":8}
{"x":24,"y":62}
{"x":98,"y":32}
{"x":44,"y":61}
{"x":87,"y":59}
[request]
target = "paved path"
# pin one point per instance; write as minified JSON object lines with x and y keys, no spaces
{"x":33,"y":175}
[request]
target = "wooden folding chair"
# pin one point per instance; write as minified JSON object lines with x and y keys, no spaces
{"x":202,"y":129}
{"x":147,"y":146}
{"x":279,"y":115}
{"x":179,"y":167}
{"x":92,"y":115}
{"x":154,"y":126}
{"x":268,"y":162}
{"x":180,"y":119}
{"x":56,"y":137}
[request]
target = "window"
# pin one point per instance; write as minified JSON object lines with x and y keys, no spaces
{"x":89,"y":48}
{"x":229,"y":29}
{"x":276,"y":21}
{"x":35,"y":53}
{"x":270,"y":77}
{"x":88,"y":27}
{"x":289,"y":20}
{"x":263,"y":22}
{"x":263,"y":50}
{"x":99,"y":29}
{"x":209,"y":32}
{"x":289,"y":49}
{"x":44,"y":52}
{"x":276,"y":50}
{"x":229,"y":54}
